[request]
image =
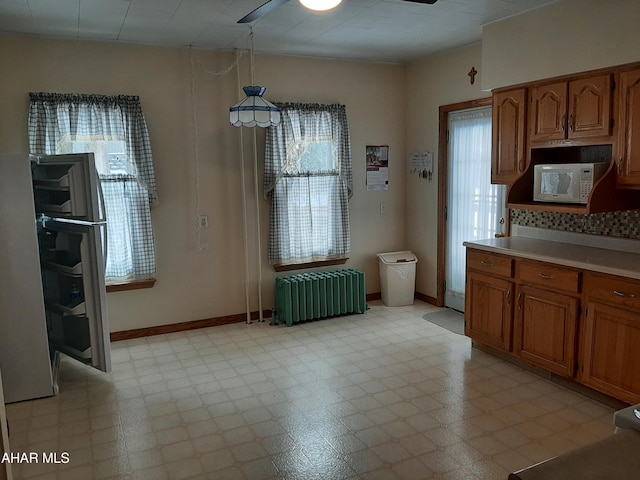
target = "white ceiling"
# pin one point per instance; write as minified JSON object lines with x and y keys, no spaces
{"x":371,"y":30}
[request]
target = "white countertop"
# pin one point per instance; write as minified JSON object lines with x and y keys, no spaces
{"x":603,"y":260}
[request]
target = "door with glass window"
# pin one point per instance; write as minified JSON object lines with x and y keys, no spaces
{"x":475,"y":208}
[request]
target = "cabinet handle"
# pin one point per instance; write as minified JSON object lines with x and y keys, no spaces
{"x":571,"y":122}
{"x":563,"y":123}
{"x":509,"y":297}
{"x":486,"y":264}
{"x":620,"y":167}
{"x":623,"y":294}
{"x":519,"y":302}
{"x":546,"y":277}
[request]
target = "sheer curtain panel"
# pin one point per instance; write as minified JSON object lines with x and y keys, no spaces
{"x":474,"y":204}
{"x":115,"y":130}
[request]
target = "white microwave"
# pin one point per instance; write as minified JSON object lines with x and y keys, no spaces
{"x":566,"y":182}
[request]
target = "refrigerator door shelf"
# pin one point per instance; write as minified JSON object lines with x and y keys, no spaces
{"x":67,"y":185}
{"x":70,"y":335}
{"x":73,"y":310}
{"x":81,"y":356}
{"x":64,"y":208}
{"x":52,"y":177}
{"x":75,"y":270}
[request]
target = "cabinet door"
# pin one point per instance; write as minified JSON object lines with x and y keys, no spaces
{"x":548,"y":112}
{"x":629,"y":140}
{"x":545,"y":329}
{"x":508,"y":153}
{"x":488,"y":310}
{"x":611,"y":351}
{"x":590,"y":107}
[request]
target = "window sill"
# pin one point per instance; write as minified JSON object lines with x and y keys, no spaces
{"x":301,"y":266}
{"x":121,"y":287}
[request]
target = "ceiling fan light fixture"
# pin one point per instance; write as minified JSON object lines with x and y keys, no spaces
{"x":320,"y":5}
{"x":254,"y":110}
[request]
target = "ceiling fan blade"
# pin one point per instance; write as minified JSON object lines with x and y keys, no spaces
{"x":262,"y":10}
{"x":428,"y":2}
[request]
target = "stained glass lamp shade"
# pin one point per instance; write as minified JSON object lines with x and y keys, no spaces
{"x":254,"y":110}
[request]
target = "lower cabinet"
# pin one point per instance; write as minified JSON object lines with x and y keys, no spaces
{"x":488,"y":310}
{"x":578,"y":324}
{"x":545,"y":325}
{"x":610,"y":355}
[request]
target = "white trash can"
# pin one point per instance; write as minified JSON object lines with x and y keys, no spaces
{"x":397,"y":277}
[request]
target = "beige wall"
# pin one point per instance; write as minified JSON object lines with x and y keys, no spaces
{"x":435,"y":81}
{"x":565,"y":37}
{"x":196,"y":283}
{"x":387,"y":104}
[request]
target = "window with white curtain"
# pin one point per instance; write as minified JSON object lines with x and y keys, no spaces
{"x":115,"y":130}
{"x":308,"y":181}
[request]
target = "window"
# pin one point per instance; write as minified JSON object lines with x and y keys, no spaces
{"x":308,"y":180}
{"x":114,"y":129}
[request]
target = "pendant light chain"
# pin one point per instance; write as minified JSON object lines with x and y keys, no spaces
{"x":253,"y":79}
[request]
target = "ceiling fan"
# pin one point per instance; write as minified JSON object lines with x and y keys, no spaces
{"x":271,"y":5}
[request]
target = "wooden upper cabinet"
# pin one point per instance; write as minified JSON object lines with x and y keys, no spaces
{"x":508,"y":158}
{"x":548,"y":112}
{"x":629,"y":131}
{"x":590,"y":107}
{"x":572,"y":109}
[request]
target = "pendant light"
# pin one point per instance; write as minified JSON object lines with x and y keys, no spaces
{"x":254,"y":110}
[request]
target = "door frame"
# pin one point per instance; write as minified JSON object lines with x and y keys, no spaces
{"x":443,"y":182}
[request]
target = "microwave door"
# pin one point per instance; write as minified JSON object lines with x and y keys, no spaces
{"x":67,"y":186}
{"x":75,"y":292}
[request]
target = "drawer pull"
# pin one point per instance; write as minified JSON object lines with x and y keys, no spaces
{"x":546,"y":277}
{"x":622,"y":294}
{"x":486,"y":264}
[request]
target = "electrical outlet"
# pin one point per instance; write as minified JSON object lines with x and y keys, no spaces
{"x":203,"y":221}
{"x":383,"y":208}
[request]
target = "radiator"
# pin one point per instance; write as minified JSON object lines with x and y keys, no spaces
{"x":312,"y":296}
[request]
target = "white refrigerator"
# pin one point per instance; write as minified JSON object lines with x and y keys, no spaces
{"x":52,"y":260}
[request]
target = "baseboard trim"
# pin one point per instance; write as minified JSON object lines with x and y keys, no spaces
{"x":217,"y":321}
{"x":427,"y":298}
{"x":184,"y":326}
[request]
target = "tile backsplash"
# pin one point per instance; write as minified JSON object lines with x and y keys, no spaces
{"x":614,"y":224}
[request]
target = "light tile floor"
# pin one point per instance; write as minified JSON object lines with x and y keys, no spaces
{"x":383,"y":395}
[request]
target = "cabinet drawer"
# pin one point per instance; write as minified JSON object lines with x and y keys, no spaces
{"x":613,"y":290}
{"x":490,"y":263}
{"x":549,"y":276}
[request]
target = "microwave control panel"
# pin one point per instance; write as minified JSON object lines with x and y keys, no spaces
{"x":586,"y":183}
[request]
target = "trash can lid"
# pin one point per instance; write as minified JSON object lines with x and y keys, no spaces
{"x":398,"y":257}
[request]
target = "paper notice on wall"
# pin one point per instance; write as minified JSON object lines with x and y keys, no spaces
{"x":377,"y":167}
{"x":422,"y":162}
